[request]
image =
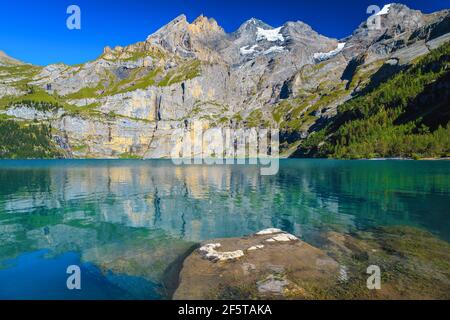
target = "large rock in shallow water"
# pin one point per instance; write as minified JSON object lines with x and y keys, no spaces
{"x":273,"y":264}
{"x":270,"y":264}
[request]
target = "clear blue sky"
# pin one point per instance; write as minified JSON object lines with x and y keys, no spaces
{"x":35,"y":30}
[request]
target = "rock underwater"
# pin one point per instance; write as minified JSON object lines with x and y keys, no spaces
{"x":273,"y":264}
{"x":258,"y":266}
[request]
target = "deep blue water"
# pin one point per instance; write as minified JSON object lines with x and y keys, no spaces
{"x":31,"y":276}
{"x":125,"y":222}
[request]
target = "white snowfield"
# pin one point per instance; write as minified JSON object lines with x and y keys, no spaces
{"x":270,"y":35}
{"x":274,"y":49}
{"x":248,"y":50}
{"x":322,"y":56}
{"x":252,"y":50}
{"x":385,"y":10}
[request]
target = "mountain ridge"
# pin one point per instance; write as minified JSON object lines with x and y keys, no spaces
{"x":131,"y":99}
{"x":7,"y":60}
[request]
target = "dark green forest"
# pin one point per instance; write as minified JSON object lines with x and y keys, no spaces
{"x":26,"y":140}
{"x":406,"y":116}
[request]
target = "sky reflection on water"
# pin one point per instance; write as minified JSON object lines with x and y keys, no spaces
{"x":137,"y":217}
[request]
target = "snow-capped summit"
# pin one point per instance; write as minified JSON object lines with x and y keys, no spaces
{"x":385,"y":10}
{"x":255,"y":38}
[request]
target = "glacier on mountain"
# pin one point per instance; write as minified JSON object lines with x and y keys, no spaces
{"x":322,"y":56}
{"x":248,"y":50}
{"x":385,"y":10}
{"x":274,"y":49}
{"x":270,"y":35}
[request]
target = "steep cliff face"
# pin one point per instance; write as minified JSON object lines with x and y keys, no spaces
{"x":130,"y":101}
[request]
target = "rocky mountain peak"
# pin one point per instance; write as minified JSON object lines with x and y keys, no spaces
{"x":251,"y":25}
{"x":176,"y":25}
{"x":189,"y":40}
{"x":107,"y":50}
{"x":181,"y":19}
{"x":204,"y":26}
{"x":173,"y":37}
{"x":298,"y":25}
{"x":394,"y":15}
{"x":299,"y":30}
{"x":386,"y":30}
{"x":393,"y":8}
{"x":254,"y":31}
{"x":204,"y":22}
{"x":258,"y":75}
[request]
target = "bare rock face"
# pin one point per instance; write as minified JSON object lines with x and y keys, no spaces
{"x":269,"y":264}
{"x":107,"y":138}
{"x":27,"y":113}
{"x":6,"y":90}
{"x":191,"y":71}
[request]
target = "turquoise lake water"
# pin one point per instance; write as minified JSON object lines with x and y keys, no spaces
{"x":125,"y":223}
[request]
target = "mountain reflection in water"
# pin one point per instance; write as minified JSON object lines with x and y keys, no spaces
{"x":137,"y":217}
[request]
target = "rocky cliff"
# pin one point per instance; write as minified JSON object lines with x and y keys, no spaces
{"x":129,"y":101}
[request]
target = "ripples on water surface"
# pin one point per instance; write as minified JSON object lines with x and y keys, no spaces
{"x":127,"y":221}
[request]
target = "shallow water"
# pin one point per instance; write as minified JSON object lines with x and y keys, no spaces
{"x":126,"y":222}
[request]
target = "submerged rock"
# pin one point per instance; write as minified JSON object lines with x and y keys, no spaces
{"x":273,"y":264}
{"x":253,"y":267}
{"x":272,"y":285}
{"x":414,"y":264}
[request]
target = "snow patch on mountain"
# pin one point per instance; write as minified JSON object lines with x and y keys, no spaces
{"x":274,"y":49}
{"x":248,"y":50}
{"x":385,"y":10}
{"x":270,"y":35}
{"x":322,"y":56}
